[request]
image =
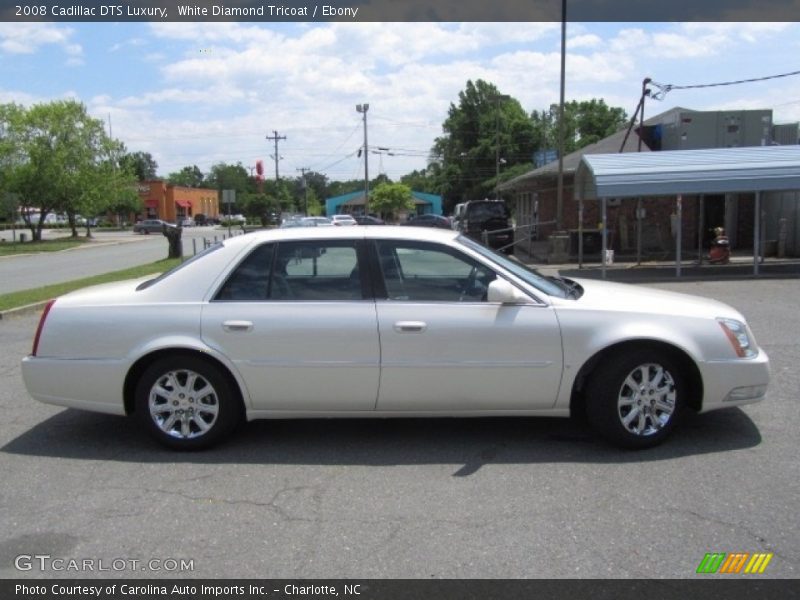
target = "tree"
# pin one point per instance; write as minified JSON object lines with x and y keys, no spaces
{"x":107,"y":187}
{"x":313,"y":204}
{"x":421,"y":181}
{"x":316,"y":182}
{"x":485,"y":129}
{"x":57,"y":153}
{"x":259,"y":206}
{"x":141,"y":164}
{"x":223,"y":176}
{"x":387,"y":199}
{"x":585,"y":122}
{"x":187,"y":177}
{"x":337,"y":188}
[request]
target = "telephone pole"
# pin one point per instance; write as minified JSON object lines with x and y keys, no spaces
{"x":305,"y":188}
{"x":363,"y":108}
{"x":276,"y":138}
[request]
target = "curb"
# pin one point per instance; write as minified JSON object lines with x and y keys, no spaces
{"x":22,"y":310}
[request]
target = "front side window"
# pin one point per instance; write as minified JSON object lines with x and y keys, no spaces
{"x":427,"y":272}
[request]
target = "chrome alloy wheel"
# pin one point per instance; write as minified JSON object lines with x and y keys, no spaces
{"x":183,"y":404}
{"x":646,"y":400}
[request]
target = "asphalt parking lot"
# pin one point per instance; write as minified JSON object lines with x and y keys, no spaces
{"x":450,"y":498}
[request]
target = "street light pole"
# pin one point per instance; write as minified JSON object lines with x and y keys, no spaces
{"x":560,"y":185}
{"x":363,"y":108}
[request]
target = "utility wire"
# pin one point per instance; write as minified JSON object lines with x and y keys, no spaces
{"x":665,"y":88}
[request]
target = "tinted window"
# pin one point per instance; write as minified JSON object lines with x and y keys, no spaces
{"x":183,"y":265}
{"x":250,"y":281}
{"x":425,"y":272}
{"x":316,"y":270}
{"x":482,"y":211}
{"x":309,"y":270}
{"x":531,"y":276}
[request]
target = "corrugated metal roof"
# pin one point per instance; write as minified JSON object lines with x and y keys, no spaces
{"x":668,"y":173}
{"x":571,"y":161}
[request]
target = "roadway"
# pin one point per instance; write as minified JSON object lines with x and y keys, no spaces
{"x":109,"y":251}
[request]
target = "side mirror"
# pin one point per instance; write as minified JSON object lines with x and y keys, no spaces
{"x":503,"y":292}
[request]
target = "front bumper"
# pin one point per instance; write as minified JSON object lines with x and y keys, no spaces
{"x":734,"y":382}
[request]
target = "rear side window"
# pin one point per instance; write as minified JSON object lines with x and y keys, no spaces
{"x":296,"y":271}
{"x":250,"y":281}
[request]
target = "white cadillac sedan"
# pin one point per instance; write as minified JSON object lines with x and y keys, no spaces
{"x":386,"y":322}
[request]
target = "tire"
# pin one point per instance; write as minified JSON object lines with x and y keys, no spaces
{"x":187,"y":403}
{"x":635,"y":398}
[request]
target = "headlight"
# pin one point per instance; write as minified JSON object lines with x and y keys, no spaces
{"x":739,"y":337}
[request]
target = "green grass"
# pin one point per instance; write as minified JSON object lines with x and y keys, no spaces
{"x":25,"y":297}
{"x":8,"y":247}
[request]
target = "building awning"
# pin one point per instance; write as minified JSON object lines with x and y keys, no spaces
{"x":183,"y":203}
{"x":673,"y":172}
{"x":151,"y":203}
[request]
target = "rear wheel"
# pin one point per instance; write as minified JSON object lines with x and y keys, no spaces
{"x":635,"y":398}
{"x":187,"y":403}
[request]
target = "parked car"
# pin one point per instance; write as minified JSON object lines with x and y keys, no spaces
{"x":386,"y":322}
{"x":491,"y":216}
{"x":315,"y":222}
{"x":186,"y":222}
{"x":149,"y":226}
{"x":369,"y":220}
{"x":429,"y":221}
{"x":343,"y":220}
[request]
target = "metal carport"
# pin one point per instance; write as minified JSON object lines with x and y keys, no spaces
{"x":678,"y":172}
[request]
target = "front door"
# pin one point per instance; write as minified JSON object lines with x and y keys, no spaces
{"x":444,"y":347}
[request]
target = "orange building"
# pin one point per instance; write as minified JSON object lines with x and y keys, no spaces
{"x":173,"y":202}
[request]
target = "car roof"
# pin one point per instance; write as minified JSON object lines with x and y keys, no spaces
{"x":333,"y":233}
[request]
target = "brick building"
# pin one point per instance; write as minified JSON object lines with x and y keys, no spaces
{"x":534,"y":194}
{"x":169,"y":202}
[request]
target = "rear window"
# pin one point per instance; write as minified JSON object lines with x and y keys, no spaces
{"x":186,"y":263}
{"x":483,"y":211}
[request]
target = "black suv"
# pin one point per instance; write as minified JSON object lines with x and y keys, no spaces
{"x":490,"y":216}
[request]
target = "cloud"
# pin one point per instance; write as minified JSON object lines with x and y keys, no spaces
{"x":29,"y":38}
{"x":213,"y":91}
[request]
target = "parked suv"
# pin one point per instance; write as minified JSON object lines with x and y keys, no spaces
{"x":492,"y":216}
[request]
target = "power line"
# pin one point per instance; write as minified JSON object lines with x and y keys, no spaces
{"x":664,"y":89}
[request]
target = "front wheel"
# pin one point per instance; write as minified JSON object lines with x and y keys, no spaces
{"x":635,"y":398}
{"x":186,"y":403}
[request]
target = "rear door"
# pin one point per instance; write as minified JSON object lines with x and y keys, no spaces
{"x":298,"y":321}
{"x":445,"y":348}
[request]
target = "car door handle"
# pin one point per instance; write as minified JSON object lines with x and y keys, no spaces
{"x":237,"y":326}
{"x":410,"y":326}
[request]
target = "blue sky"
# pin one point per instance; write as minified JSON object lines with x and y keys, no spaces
{"x":200,"y":93}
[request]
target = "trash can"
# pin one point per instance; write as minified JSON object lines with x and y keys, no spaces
{"x":22,"y":237}
{"x":609,"y":257}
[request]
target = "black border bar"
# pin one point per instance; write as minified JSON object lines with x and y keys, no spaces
{"x":701,"y":588}
{"x":399,"y":10}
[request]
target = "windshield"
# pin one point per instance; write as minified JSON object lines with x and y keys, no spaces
{"x":549,"y":285}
